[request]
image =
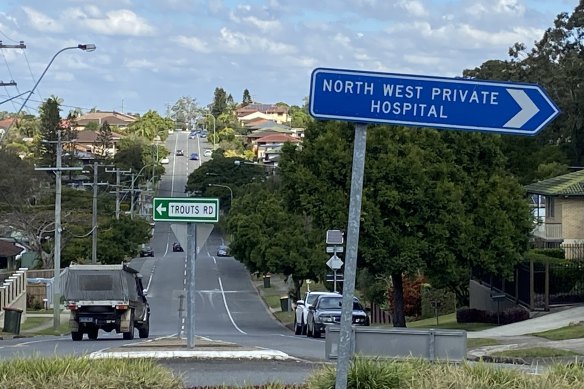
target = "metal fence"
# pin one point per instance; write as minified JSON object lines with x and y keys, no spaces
{"x":538,"y":285}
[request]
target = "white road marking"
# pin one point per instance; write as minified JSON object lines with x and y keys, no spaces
{"x":227,"y":308}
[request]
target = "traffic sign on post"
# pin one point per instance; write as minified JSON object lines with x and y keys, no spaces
{"x":422,"y":101}
{"x":185,"y":209}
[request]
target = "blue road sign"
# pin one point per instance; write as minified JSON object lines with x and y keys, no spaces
{"x":422,"y":101}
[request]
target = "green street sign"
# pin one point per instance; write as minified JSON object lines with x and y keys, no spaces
{"x":185,"y":209}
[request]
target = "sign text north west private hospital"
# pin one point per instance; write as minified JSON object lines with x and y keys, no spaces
{"x":395,"y":95}
{"x":423,"y":101}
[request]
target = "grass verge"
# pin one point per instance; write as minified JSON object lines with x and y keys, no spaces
{"x":575,"y":331}
{"x":33,"y":322}
{"x":535,"y":352}
{"x":480,"y":342}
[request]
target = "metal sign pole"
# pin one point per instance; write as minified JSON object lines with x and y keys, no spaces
{"x":191,"y":258}
{"x":358,"y":170}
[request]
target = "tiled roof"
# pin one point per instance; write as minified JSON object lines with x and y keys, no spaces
{"x":277,"y":138}
{"x":113,"y":118}
{"x":571,"y":184}
{"x":8,"y":249}
{"x":5,"y":123}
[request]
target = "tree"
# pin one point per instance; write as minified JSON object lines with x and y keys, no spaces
{"x":246,"y":100}
{"x":267,"y":238}
{"x":104,"y":139}
{"x":50,"y":124}
{"x":426,"y":202}
{"x":219,"y":102}
{"x":151,"y":125}
{"x":184,"y":112}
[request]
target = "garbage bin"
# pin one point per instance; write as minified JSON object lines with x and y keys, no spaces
{"x":284,"y":303}
{"x":267,"y":282}
{"x":12,"y":320}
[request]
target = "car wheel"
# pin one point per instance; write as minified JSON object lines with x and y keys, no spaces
{"x":308,"y":331}
{"x":315,"y":332}
{"x":77,"y":336}
{"x":144,"y":330}
{"x":304,"y":327}
{"x":297,"y":327}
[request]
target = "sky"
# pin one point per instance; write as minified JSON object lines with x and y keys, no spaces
{"x":150,"y":53}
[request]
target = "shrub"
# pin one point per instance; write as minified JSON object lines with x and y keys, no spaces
{"x":412,"y":295}
{"x":508,"y":316}
{"x":369,"y":373}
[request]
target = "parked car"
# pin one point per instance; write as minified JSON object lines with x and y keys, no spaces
{"x":179,"y":153}
{"x":222,"y":251}
{"x":327,"y":310}
{"x":176,"y":247}
{"x":194,"y":157}
{"x":208,"y":153}
{"x":301,"y":313}
{"x":146,"y":252}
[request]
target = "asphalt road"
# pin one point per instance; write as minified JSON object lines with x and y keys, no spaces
{"x":227,"y":305}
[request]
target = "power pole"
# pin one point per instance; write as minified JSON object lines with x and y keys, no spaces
{"x":95,"y":185}
{"x":117,"y":192}
{"x":57,"y":250}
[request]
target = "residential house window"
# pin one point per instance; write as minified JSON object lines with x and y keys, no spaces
{"x":549,"y":207}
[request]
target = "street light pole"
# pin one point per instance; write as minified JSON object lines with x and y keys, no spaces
{"x":230,"y":191}
{"x":85,"y":47}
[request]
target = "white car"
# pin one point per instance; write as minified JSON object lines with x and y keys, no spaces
{"x":208,"y":153}
{"x":164,"y":161}
{"x":301,"y":314}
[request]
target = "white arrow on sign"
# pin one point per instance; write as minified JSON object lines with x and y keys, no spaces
{"x":528,"y":109}
{"x":160,"y":209}
{"x":335,"y":263}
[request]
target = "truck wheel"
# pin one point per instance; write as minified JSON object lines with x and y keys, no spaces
{"x":77,"y":336}
{"x":144,"y":330}
{"x":130,"y":334}
{"x":92,"y":334}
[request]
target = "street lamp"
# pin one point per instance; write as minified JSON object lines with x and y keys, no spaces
{"x":85,"y":47}
{"x":230,"y":191}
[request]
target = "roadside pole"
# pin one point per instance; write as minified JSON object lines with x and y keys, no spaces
{"x":191,"y":258}
{"x":187,"y":211}
{"x":345,"y":346}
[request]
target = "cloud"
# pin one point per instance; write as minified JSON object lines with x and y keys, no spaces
{"x":413,"y":7}
{"x":42,"y":22}
{"x":241,"y":43}
{"x":115,"y":22}
{"x":192,"y":43}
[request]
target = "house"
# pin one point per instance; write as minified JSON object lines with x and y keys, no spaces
{"x":8,"y":253}
{"x":86,"y":141}
{"x":113,"y":118}
{"x":268,"y":147}
{"x":279,"y":114}
{"x":564,"y":210}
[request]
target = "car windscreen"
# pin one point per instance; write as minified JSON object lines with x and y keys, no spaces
{"x":336,"y":303}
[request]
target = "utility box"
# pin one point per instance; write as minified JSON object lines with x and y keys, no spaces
{"x":267,"y":282}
